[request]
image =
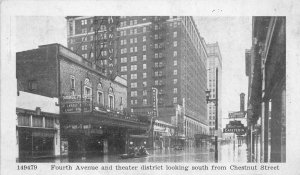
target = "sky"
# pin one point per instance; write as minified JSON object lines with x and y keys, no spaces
{"x":232,"y":33}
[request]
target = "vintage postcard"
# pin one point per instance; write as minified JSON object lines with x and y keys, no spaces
{"x":136,"y":87}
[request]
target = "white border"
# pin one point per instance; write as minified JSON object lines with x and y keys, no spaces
{"x":10,"y":9}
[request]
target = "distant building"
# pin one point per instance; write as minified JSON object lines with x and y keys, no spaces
{"x":93,"y":109}
{"x":164,"y":52}
{"x":214,"y":60}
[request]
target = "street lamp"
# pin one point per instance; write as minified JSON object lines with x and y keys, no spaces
{"x":208,"y":99}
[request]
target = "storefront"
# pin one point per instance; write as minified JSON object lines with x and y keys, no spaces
{"x":38,"y":132}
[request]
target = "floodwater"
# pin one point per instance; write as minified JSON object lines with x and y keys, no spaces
{"x":227,"y":153}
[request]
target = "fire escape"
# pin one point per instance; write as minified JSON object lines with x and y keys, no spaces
{"x":158,"y":46}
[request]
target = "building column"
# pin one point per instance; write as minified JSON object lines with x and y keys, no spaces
{"x":276,"y":128}
{"x":265,"y":131}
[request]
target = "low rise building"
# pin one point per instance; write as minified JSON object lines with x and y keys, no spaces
{"x":38,"y":126}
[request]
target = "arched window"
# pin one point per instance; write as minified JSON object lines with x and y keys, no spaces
{"x":100,"y":95}
{"x":111,"y":98}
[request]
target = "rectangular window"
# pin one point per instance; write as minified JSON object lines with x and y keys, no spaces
{"x":144,"y":66}
{"x":100,"y":97}
{"x":84,"y":22}
{"x":144,"y":38}
{"x":156,"y":55}
{"x":124,"y":60}
{"x":72,"y":82}
{"x":144,"y":84}
{"x":175,"y":81}
{"x":144,"y":47}
{"x":135,"y":49}
{"x":88,"y":92}
{"x":123,"y":68}
{"x":135,"y":40}
{"x":24,"y":120}
{"x":144,"y":29}
{"x":133,"y":85}
{"x":144,"y":92}
{"x":84,"y":47}
{"x":156,"y":82}
{"x":175,"y":100}
{"x":133,"y":58}
{"x":133,"y":93}
{"x":174,"y":34}
{"x":175,"y":62}
{"x":37,"y":121}
{"x":133,"y":67}
{"x":144,"y":101}
{"x":144,"y":75}
{"x":131,"y":49}
{"x":175,"y":43}
{"x":133,"y":76}
{"x":131,"y":31}
{"x":135,"y":22}
{"x":175,"y":53}
{"x":144,"y":57}
{"x":135,"y":31}
{"x":175,"y":90}
{"x":111,"y":101}
{"x":156,"y":36}
{"x":175,"y":72}
{"x":131,"y":40}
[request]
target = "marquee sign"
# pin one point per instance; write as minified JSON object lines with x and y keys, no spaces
{"x":235,"y":127}
{"x":155,"y":107}
{"x":73,"y":104}
{"x":239,"y":114}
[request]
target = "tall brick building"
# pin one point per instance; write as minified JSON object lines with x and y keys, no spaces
{"x":93,"y":113}
{"x":164,"y":52}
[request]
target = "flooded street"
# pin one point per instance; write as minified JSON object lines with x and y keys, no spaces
{"x":227,"y":153}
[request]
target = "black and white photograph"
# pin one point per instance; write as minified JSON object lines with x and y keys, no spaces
{"x":173,"y":92}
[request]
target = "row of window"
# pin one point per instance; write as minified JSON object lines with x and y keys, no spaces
{"x":35,"y":121}
{"x":132,"y":31}
{"x":132,"y":59}
{"x":132,"y":67}
{"x":134,"y":76}
{"x":134,"y":85}
{"x":132,"y":49}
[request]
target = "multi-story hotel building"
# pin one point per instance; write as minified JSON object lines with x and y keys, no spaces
{"x":214,"y":61}
{"x":166,"y":53}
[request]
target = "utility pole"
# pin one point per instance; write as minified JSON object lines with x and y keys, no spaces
{"x":216,"y":112}
{"x":216,"y":122}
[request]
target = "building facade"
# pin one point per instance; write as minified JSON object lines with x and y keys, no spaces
{"x":93,"y":108}
{"x":38,"y":126}
{"x":266,"y":69}
{"x":214,"y":60}
{"x":167,"y":53}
